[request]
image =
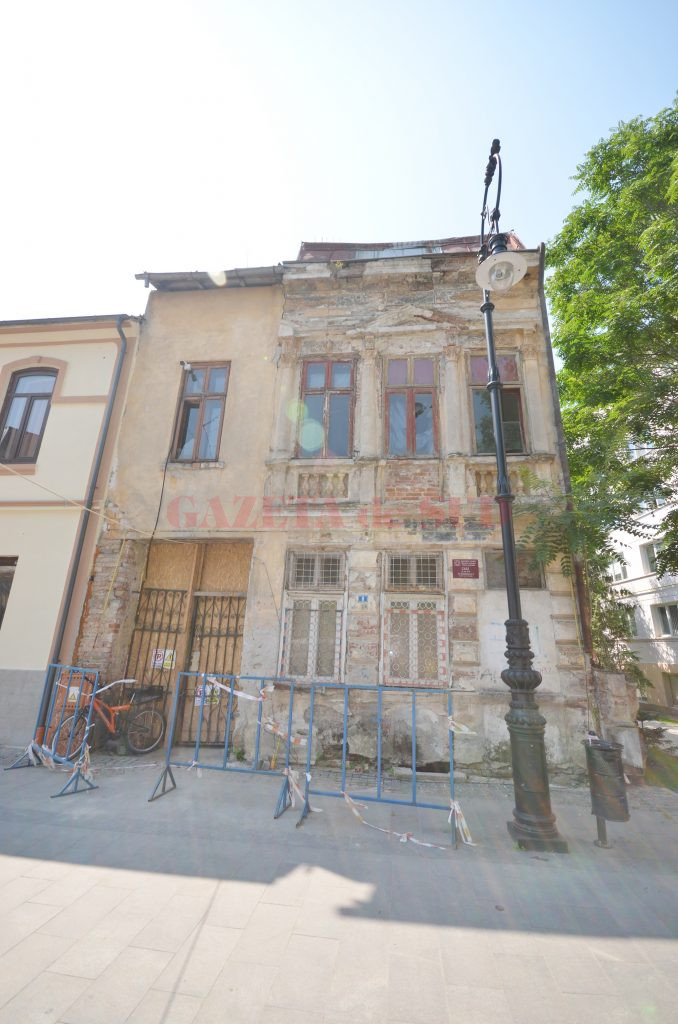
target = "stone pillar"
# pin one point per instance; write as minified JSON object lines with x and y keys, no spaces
{"x":286,"y":392}
{"x":367,"y":433}
{"x":456,"y":439}
{"x":537,"y":418}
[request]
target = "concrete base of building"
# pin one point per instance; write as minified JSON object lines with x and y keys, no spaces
{"x":20,"y":691}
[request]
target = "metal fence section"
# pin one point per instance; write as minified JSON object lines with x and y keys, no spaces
{"x":207,"y":706}
{"x":69,"y":692}
{"x":286,"y":797}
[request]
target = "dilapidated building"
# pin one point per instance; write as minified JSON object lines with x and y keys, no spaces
{"x":303,"y":488}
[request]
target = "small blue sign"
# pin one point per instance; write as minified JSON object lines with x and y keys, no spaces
{"x":362,"y":598}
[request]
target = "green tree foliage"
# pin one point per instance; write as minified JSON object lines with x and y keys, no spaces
{"x":613,"y":290}
{"x":614,"y":300}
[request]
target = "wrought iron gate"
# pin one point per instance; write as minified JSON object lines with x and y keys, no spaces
{"x":215,"y":647}
{"x":157,"y":628}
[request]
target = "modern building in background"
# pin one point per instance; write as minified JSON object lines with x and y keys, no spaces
{"x":62,"y":385}
{"x":303,"y":486}
{"x":653,"y":605}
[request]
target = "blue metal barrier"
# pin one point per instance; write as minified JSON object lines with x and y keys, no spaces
{"x":201,"y":688}
{"x":63,"y":741}
{"x":285,"y":797}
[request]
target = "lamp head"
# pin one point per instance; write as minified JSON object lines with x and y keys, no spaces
{"x":501,"y":268}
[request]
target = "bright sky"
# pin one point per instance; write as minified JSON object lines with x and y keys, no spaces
{"x":180,"y":136}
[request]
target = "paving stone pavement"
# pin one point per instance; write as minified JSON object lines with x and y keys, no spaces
{"x":200,"y":908}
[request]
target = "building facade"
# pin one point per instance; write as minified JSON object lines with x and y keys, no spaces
{"x":303,"y":487}
{"x":62,"y":385}
{"x":653,"y":605}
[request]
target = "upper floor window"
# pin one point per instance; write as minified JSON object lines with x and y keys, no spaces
{"x":511,"y":404}
{"x":24,"y":414}
{"x":326,"y":426}
{"x":411,"y":407}
{"x":201,"y":413}
{"x":667,"y":615}
{"x":649,"y":555}
{"x":618,"y":571}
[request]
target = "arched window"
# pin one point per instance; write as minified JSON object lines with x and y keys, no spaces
{"x":24,"y":414}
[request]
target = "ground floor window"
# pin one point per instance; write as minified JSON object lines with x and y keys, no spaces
{"x":414,"y":641}
{"x":7,"y":568}
{"x":312,"y":632}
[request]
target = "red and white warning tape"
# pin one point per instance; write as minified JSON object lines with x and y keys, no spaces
{"x":402,"y":837}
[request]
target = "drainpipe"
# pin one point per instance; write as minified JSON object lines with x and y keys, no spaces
{"x":84,"y":524}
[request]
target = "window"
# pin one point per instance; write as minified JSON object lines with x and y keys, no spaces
{"x":201,"y":413}
{"x":411,"y":407}
{"x":315,"y":570}
{"x":25,"y":414}
{"x":511,"y":405}
{"x":529,"y":577}
{"x":667,"y":615}
{"x":326,"y":424}
{"x":618,"y":571}
{"x":7,"y":568}
{"x":415,"y":572}
{"x":312,"y":627}
{"x":415,"y":646}
{"x":649,"y":555}
{"x":630,"y":613}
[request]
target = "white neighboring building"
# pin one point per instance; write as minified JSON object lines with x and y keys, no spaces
{"x":654,"y":601}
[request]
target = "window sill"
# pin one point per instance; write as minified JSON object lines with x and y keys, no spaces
{"x":24,"y":468}
{"x":181,"y":466}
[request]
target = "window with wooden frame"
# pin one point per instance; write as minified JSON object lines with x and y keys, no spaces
{"x":415,"y":645}
{"x":201,"y":413}
{"x":7,"y":570}
{"x":327,"y":397}
{"x":313,"y":615}
{"x":411,"y":407}
{"x":24,"y":414}
{"x":511,"y":405}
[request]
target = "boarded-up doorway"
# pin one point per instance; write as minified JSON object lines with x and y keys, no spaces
{"x":190,"y":617}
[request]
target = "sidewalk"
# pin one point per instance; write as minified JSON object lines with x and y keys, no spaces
{"x":200,"y":908}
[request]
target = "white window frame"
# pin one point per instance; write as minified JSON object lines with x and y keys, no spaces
{"x":659,"y":622}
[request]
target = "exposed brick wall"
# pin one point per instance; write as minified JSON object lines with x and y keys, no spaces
{"x":110,"y":606}
{"x":407,"y":481}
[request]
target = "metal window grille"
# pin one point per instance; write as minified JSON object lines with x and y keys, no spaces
{"x":311,"y":647}
{"x":415,"y":572}
{"x":415,"y":650}
{"x":315,"y":570}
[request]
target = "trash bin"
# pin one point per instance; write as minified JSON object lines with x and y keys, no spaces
{"x":607,"y":783}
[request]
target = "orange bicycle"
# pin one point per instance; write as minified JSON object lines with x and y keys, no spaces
{"x":142,"y":729}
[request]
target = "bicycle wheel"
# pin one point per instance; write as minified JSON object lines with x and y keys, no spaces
{"x":145,"y":731}
{"x":74,"y":749}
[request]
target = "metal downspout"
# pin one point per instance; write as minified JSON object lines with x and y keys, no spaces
{"x":84,"y":522}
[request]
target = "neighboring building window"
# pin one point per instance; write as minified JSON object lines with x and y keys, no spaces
{"x":414,"y":635}
{"x":668,"y":619}
{"x":511,"y":404}
{"x":326,"y":425}
{"x":529,"y":576}
{"x":631,"y":616}
{"x":649,"y":555}
{"x":24,"y":414}
{"x":618,"y":571}
{"x":201,"y":413}
{"x":312,"y":627}
{"x":411,"y":407}
{"x":7,"y":568}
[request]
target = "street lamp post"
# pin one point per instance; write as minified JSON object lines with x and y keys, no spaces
{"x":534,"y":824}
